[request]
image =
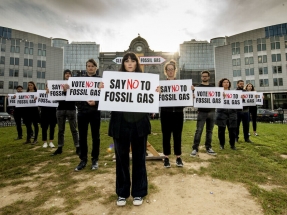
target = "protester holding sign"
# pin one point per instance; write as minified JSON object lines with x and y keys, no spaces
{"x":252,"y":109}
{"x":48,"y":119}
{"x":226,"y":118}
{"x":88,"y":113}
{"x":31,"y":116}
{"x":130,"y":129}
{"x":66,"y":110}
{"x":171,"y":119}
{"x":204,"y":116}
{"x":243,"y":115}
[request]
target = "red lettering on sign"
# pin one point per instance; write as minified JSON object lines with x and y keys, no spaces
{"x":133,"y":84}
{"x":228,"y":96}
{"x":211,"y":93}
{"x":174,"y":88}
{"x":26,"y":97}
{"x":89,"y":84}
{"x":245,"y":95}
{"x":62,"y":86}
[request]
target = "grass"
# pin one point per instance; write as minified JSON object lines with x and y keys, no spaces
{"x":41,"y":178}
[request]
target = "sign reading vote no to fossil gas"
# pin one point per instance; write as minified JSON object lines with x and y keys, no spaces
{"x":129,"y":92}
{"x":83,"y":89}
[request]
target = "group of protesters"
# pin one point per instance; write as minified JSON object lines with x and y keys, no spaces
{"x":130,"y":130}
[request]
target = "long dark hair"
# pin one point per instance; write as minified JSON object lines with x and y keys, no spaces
{"x":35,"y":88}
{"x":133,"y":57}
{"x":221,"y":81}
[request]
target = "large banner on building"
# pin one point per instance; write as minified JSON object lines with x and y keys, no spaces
{"x":129,"y":92}
{"x":176,"y":93}
{"x":208,"y":97}
{"x":249,"y":98}
{"x":232,"y":99}
{"x":259,"y":98}
{"x":26,"y":99}
{"x":11,"y":100}
{"x":43,"y":100}
{"x":83,"y":89}
{"x":56,"y":90}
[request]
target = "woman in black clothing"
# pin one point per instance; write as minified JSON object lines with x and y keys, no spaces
{"x":226,"y":117}
{"x":31,"y":116}
{"x":171,"y":119}
{"x":130,"y":129}
{"x":252,"y":109}
{"x":48,"y":119}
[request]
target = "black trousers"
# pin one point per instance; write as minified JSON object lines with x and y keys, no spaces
{"x":253,"y":112}
{"x":45,"y":126}
{"x":232,"y":135}
{"x":28,"y":124}
{"x":18,"y":117}
{"x":244,"y":117}
{"x":94,"y":119}
{"x":171,"y":122}
{"x":139,"y":183}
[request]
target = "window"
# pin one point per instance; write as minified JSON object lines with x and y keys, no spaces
{"x":41,"y":49}
{"x":25,"y":85}
{"x":265,"y":70}
{"x":13,"y":73}
{"x":14,"y":61}
{"x":28,"y":62}
{"x":30,"y":74}
{"x":235,"y":48}
{"x":41,"y":64}
{"x":236,"y":73}
{"x":1,"y":72}
{"x":262,"y":59}
{"x":276,"y":57}
{"x":260,"y":71}
{"x":249,"y":71}
{"x":15,"y":46}
{"x":29,"y":48}
{"x":261,"y":44}
{"x":278,"y":81}
{"x":249,"y":60}
{"x":2,"y":60}
{"x":3,"y":47}
{"x":250,"y":81}
{"x":277,"y":69}
{"x":13,"y":85}
{"x":1,"y":84}
{"x":25,"y":73}
{"x":275,"y":45}
{"x":248,"y":46}
{"x":263,"y":82}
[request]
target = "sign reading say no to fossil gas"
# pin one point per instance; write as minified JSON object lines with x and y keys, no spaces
{"x":129,"y":92}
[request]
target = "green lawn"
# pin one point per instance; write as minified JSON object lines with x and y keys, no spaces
{"x":261,"y":163}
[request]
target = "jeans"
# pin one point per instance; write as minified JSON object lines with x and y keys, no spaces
{"x":244,"y":117}
{"x":94,"y":119}
{"x":139,"y":175}
{"x":207,"y":118}
{"x":61,"y":120}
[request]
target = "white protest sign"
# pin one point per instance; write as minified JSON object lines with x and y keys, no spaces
{"x":208,"y":97}
{"x":259,"y":98}
{"x":175,"y":93}
{"x":232,"y":99}
{"x":129,"y":92}
{"x":43,"y":100}
{"x":26,"y":99}
{"x":143,"y":60}
{"x":56,"y":91}
{"x":249,"y":98}
{"x":11,"y":100}
{"x":83,"y":89}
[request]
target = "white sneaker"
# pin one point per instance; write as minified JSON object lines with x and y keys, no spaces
{"x":51,"y":145}
{"x":138,"y":201}
{"x":121,"y":201}
{"x":45,"y":145}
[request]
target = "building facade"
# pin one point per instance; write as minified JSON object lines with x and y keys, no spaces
{"x":139,"y":46}
{"x":76,"y":54}
{"x":27,"y":57}
{"x":196,"y":56}
{"x":259,"y":57}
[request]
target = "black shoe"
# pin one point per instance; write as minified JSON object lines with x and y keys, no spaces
{"x":166,"y":163}
{"x":95,"y":164}
{"x":81,"y":165}
{"x":179,"y":162}
{"x":233,"y":147}
{"x":27,"y":142}
{"x":18,"y":138}
{"x":78,"y":151}
{"x":35,"y":142}
{"x":248,"y":141}
{"x":221,"y":147}
{"x":58,"y":151}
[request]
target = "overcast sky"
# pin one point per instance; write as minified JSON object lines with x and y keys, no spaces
{"x":163,"y":23}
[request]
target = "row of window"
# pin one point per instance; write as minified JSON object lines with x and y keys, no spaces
{"x":27,"y":62}
{"x":261,"y":59}
{"x":14,"y":84}
{"x":261,"y":71}
{"x":263,"y":82}
{"x":26,"y":73}
{"x":27,"y":50}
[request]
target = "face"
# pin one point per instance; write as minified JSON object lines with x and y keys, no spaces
{"x":91,"y":68}
{"x":249,"y":87}
{"x":67,"y":76}
{"x":170,"y":71}
{"x":19,"y":90}
{"x":205,"y":77}
{"x":240,"y":84}
{"x":31,"y":87}
{"x":225,"y":84}
{"x":130,"y":65}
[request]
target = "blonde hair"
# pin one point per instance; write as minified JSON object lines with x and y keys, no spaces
{"x":173,"y":63}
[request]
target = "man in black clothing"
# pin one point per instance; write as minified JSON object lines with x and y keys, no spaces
{"x":242,"y":115}
{"x":67,"y":110}
{"x":204,"y":116}
{"x":88,"y":114}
